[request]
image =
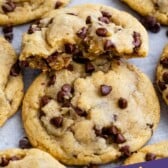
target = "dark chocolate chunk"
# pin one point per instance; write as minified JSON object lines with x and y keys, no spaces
{"x":8,"y":7}
{"x":44,"y":100}
{"x":112,"y":130}
{"x":106,"y":14}
{"x":164,"y":62}
{"x":24,"y":143}
{"x":165,"y":77}
{"x":108,"y":45}
{"x":78,"y":57}
{"x":70,"y":67}
{"x":15,"y":70}
{"x":150,"y":157}
{"x":104,"y":20}
{"x":122,"y":103}
{"x":105,"y":90}
{"x":89,"y":67}
{"x":58,"y":4}
{"x":80,"y":112}
{"x":125,"y":150}
{"x":120,"y":139}
{"x":7,"y":29}
{"x":82,"y":32}
{"x":57,"y":121}
{"x":70,"y":48}
{"x":88,"y":20}
{"x":102,"y":32}
{"x":162,"y":85}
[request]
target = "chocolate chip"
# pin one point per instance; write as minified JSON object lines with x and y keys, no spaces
{"x":88,"y":20}
{"x":4,"y":162}
{"x":89,"y":67}
{"x":150,"y":125}
{"x":33,"y":28}
{"x":164,"y":62}
{"x":8,"y":37}
{"x":70,"y":67}
{"x":137,"y":41}
{"x":52,"y":79}
{"x":113,"y":130}
{"x":82,"y":32}
{"x":57,"y":122}
{"x":44,"y":100}
{"x":8,"y":7}
{"x":162,"y":85}
{"x":165,"y":77}
{"x":67,"y":88}
{"x":151,"y":24}
{"x":41,"y":114}
{"x":7,"y":29}
{"x":105,"y":90}
{"x":70,"y":48}
{"x":78,"y":57}
{"x":80,"y":112}
{"x":108,"y":45}
{"x":61,"y":96}
{"x":150,"y":156}
{"x":120,"y":139}
{"x":122,"y":103}
{"x":102,"y":32}
{"x":104,"y":20}
{"x":125,"y":150}
{"x":66,"y":104}
{"x":52,"y":57}
{"x":106,"y":14}
{"x":15,"y":70}
{"x":24,"y":143}
{"x":58,"y":4}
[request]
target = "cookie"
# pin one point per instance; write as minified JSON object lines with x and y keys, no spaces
{"x":83,"y":31}
{"x":11,"y":83}
{"x":162,"y":74}
{"x":32,"y":158}
{"x":149,"y":153}
{"x":82,"y":115}
{"x":14,"y":12}
{"x":156,"y":8}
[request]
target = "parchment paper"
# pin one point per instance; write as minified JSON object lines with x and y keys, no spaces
{"x":13,"y":131}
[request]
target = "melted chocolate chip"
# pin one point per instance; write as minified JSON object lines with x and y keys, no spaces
{"x":106,"y":14}
{"x":52,"y":79}
{"x":165,"y":77}
{"x":162,"y":85}
{"x":164,"y":62}
{"x":122,"y":103}
{"x":24,"y":143}
{"x":78,"y":57}
{"x":4,"y":162}
{"x":89,"y":67}
{"x":70,"y":48}
{"x":82,"y":32}
{"x":108,"y":45}
{"x":104,"y":20}
{"x":15,"y":70}
{"x":58,"y":4}
{"x":44,"y":100}
{"x":150,"y":157}
{"x":88,"y":20}
{"x":151,"y":24}
{"x":8,"y":7}
{"x":57,"y":121}
{"x":120,"y":139}
{"x":125,"y":150}
{"x":137,"y":41}
{"x":102,"y":32}
{"x":105,"y":90}
{"x":80,"y":112}
{"x":52,"y":57}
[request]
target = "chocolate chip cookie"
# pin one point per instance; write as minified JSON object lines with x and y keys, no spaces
{"x":85,"y":31}
{"x":14,"y":12}
{"x":32,"y":158}
{"x":83,"y":115}
{"x":162,"y":74}
{"x":156,"y":8}
{"x":149,"y":153}
{"x":11,"y":83}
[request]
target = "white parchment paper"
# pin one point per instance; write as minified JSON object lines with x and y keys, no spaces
{"x":13,"y":131}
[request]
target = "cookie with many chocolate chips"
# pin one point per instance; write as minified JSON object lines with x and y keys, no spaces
{"x":32,"y":158}
{"x":149,"y":153}
{"x":158,"y":9}
{"x":162,"y":74}
{"x":14,"y":12}
{"x":11,"y":83}
{"x":83,"y":32}
{"x":91,"y":118}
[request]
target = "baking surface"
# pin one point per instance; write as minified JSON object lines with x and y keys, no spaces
{"x":13,"y":131}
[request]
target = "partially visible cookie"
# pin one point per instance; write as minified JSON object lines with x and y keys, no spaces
{"x":149,"y":153}
{"x":32,"y":158}
{"x":11,"y":82}
{"x":162,"y":74}
{"x":83,"y":31}
{"x":82,"y":115}
{"x":155,"y":8}
{"x":14,"y":12}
